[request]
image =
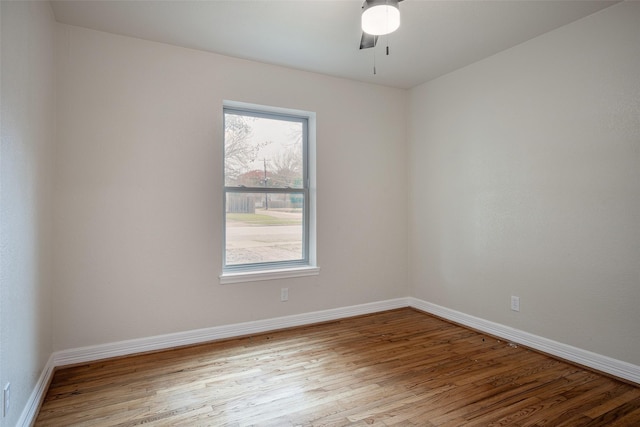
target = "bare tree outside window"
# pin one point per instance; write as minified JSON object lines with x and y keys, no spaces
{"x":239,"y":151}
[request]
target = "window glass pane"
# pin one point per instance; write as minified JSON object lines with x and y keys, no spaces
{"x":264,"y":227}
{"x":263,"y":152}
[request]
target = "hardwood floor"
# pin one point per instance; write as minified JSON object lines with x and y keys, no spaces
{"x":397,"y":368}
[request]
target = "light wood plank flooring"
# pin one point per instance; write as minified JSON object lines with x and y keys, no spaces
{"x":397,"y":368}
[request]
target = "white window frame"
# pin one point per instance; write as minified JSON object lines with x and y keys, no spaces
{"x":281,"y":269}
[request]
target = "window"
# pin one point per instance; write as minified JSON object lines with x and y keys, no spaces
{"x":267,"y":201}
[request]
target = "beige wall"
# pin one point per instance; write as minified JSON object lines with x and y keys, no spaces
{"x":525,"y":180}
{"x":138,"y":190}
{"x":27,"y":128}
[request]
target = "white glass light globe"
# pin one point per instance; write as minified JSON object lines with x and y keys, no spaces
{"x":380,"y":19}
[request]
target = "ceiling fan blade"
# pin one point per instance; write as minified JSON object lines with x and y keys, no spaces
{"x":368,"y":41}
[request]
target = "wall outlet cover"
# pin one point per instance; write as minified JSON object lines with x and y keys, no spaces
{"x":515,"y":303}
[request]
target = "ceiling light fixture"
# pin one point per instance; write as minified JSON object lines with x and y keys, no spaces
{"x":380,"y":17}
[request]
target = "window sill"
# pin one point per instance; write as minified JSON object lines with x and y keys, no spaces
{"x":260,"y":275}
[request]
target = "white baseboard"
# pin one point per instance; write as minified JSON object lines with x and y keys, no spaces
{"x":595,"y":361}
{"x":162,"y":342}
{"x":582,"y":357}
{"x":30,"y":412}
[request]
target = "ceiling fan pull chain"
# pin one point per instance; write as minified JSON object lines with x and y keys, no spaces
{"x":374,"y":60}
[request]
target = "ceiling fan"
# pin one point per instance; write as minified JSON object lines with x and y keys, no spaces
{"x":379,"y":17}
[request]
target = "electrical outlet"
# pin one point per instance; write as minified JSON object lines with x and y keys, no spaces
{"x":284,"y":294}
{"x":6,"y":399}
{"x":515,"y":303}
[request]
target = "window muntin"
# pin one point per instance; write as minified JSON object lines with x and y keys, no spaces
{"x":266,"y":221}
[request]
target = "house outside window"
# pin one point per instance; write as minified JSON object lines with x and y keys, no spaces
{"x":267,"y":199}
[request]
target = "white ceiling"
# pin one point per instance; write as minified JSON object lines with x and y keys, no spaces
{"x":323,"y":36}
